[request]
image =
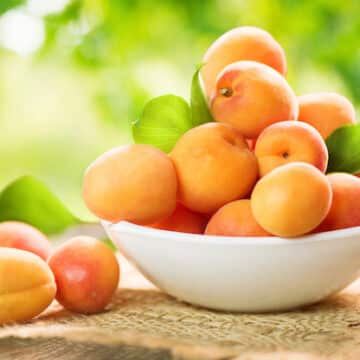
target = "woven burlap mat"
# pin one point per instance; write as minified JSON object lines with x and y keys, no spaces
{"x":144,"y":323}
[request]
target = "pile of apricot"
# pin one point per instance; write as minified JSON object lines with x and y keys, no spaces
{"x":258,"y":170}
{"x":82,"y":274}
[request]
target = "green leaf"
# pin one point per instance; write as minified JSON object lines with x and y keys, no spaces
{"x":344,"y":149}
{"x":163,"y":121}
{"x":29,"y":200}
{"x":200,"y":112}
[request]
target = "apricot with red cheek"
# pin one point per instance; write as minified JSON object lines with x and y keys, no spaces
{"x":183,"y":220}
{"x":345,"y":207}
{"x":290,"y":141}
{"x":242,"y":43}
{"x":22,"y":236}
{"x":251,"y":96}
{"x":86,"y":273}
{"x":235,"y":219}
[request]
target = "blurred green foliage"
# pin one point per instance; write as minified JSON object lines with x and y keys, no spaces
{"x":102,"y":60}
{"x":6,"y":5}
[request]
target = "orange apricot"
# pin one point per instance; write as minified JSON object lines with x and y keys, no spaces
{"x":345,"y":208}
{"x":136,"y":183}
{"x":235,"y":219}
{"x":252,"y":96}
{"x":27,"y":285}
{"x":242,"y":43}
{"x":326,"y":111}
{"x":290,"y":141}
{"x":23,"y":236}
{"x":183,"y":220}
{"x":86,"y":273}
{"x":291,"y":200}
{"x":214,"y":165}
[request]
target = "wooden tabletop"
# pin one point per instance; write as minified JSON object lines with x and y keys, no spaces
{"x":144,"y":323}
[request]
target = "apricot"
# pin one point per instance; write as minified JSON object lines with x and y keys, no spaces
{"x":214,"y":166}
{"x":326,"y":111}
{"x":86,"y":273}
{"x":136,"y":183}
{"x":235,"y":219}
{"x":183,"y":220}
{"x":242,"y":43}
{"x":252,"y":96}
{"x":290,"y":141}
{"x":22,"y":236}
{"x":345,"y":208}
{"x":291,"y":200}
{"x":27,"y":285}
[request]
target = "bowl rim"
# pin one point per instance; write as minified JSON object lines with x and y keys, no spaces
{"x":131,"y":228}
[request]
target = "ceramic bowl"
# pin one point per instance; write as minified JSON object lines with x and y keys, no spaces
{"x":246,"y":274}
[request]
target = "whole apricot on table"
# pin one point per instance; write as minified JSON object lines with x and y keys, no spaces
{"x":290,"y":141}
{"x":235,"y":219}
{"x":136,"y":183}
{"x":242,"y":43}
{"x":214,"y":166}
{"x":23,"y":236}
{"x":291,"y":200}
{"x":326,"y":111}
{"x":345,"y":208}
{"x":27,"y":285}
{"x":183,"y":220}
{"x":251,"y":96}
{"x":86,"y":273}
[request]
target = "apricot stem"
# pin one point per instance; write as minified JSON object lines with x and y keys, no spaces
{"x":226,"y":92}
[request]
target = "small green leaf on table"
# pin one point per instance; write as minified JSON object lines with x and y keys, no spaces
{"x":28,"y":200}
{"x":344,"y":149}
{"x":200,"y":111}
{"x":163,"y":121}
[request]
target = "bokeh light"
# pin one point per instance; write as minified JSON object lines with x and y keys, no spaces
{"x":21,"y":32}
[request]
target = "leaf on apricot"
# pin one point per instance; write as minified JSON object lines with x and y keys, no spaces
{"x":163,"y":121}
{"x":200,"y":111}
{"x":344,"y":149}
{"x":28,"y":200}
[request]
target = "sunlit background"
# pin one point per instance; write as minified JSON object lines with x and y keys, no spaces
{"x":75,"y":74}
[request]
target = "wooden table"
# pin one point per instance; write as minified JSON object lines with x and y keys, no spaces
{"x":144,"y":323}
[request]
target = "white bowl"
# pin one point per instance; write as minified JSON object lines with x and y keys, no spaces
{"x":247,"y":274}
